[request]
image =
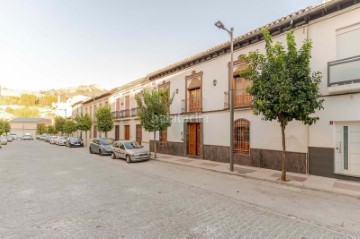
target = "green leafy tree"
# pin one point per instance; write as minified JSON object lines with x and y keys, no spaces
{"x":83,"y":123}
{"x":59,"y":123}
{"x":2,"y":130}
{"x":6,"y":126}
{"x":50,"y":129}
{"x":69,"y":127}
{"x":154,"y":110}
{"x":104,"y":119}
{"x":41,"y":128}
{"x":283,"y":87}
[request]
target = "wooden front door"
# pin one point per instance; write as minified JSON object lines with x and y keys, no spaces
{"x":127,"y":132}
{"x":117,"y":132}
{"x":194,"y":139}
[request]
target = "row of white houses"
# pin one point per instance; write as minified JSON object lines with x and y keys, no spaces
{"x":200,"y":109}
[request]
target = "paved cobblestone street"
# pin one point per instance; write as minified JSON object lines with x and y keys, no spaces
{"x":48,"y":191}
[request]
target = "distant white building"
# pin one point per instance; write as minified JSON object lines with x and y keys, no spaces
{"x":64,"y":109}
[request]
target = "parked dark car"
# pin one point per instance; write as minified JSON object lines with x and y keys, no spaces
{"x":74,"y":142}
{"x":101,"y":146}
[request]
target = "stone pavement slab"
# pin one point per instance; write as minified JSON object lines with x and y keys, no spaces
{"x":296,"y":180}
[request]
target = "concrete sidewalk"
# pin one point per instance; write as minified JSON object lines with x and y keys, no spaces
{"x":296,"y":180}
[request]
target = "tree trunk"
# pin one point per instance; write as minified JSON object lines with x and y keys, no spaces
{"x":81,"y":134}
{"x":155,"y":143}
{"x":283,"y":157}
{"x":105,"y":134}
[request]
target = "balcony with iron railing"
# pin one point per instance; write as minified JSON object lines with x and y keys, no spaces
{"x":241,"y":100}
{"x":191,"y":106}
{"x":344,"y":75}
{"x":127,"y":113}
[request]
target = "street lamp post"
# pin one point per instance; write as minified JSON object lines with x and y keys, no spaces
{"x":220,"y":25}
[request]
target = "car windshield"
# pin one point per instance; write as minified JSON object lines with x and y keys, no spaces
{"x":105,"y":141}
{"x":63,"y":137}
{"x":132,"y":145}
{"x":74,"y":139}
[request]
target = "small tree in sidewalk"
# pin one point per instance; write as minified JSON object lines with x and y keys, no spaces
{"x":69,"y":127}
{"x":6,"y":127}
{"x":50,"y":129}
{"x":41,"y":128}
{"x":154,"y":111}
{"x":104,"y":119}
{"x":83,"y":123}
{"x":283,"y":87}
{"x":59,"y":124}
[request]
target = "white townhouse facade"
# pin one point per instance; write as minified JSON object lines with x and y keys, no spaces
{"x":124,"y":108}
{"x":329,"y":148}
{"x":89,"y":107}
{"x":200,"y":110}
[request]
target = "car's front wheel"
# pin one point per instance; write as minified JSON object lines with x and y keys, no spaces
{"x":101,"y":152}
{"x":113,"y":156}
{"x":128,"y":159}
{"x":91,"y":152}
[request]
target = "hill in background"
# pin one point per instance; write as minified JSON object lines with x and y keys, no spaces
{"x":65,"y":93}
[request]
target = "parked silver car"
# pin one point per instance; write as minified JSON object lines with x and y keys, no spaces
{"x":132,"y":151}
{"x":53,"y":139}
{"x":9,"y":138}
{"x":61,"y":140}
{"x":3,"y":140}
{"x":101,"y":146}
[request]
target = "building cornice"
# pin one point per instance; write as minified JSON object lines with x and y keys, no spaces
{"x":291,"y":21}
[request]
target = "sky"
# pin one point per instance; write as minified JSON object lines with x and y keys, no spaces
{"x":46,"y":44}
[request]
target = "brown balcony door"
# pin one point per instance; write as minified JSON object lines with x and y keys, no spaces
{"x":194,"y":139}
{"x":127,"y":132}
{"x":117,"y":132}
{"x":241,"y":97}
{"x":194,"y":99}
{"x":138,"y":133}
